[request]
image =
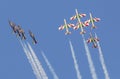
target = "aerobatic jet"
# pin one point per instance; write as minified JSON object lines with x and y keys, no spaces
{"x":80,"y":24}
{"x":92,"y":20}
{"x":33,"y":37}
{"x":66,"y":26}
{"x":93,"y":40}
{"x":13,"y":26}
{"x":21,"y":33}
{"x":83,"y":24}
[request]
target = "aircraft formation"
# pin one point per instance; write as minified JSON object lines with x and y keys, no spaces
{"x":82,"y":25}
{"x":20,"y":32}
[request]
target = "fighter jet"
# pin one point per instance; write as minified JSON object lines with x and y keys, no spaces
{"x":13,"y":26}
{"x":33,"y":37}
{"x":92,"y":20}
{"x":21,"y":33}
{"x":66,"y":26}
{"x":93,"y":40}
{"x":80,"y":24}
{"x":83,"y":24}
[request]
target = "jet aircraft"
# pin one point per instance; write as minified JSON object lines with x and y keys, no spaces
{"x":33,"y":37}
{"x":21,"y":33}
{"x":93,"y":40}
{"x":78,"y":17}
{"x":66,"y":26}
{"x":78,"y":25}
{"x":13,"y":26}
{"x":92,"y":20}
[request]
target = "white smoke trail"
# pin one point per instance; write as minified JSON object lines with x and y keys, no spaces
{"x":91,"y":65}
{"x":102,"y":60}
{"x":75,"y":61}
{"x":31,"y":61}
{"x":50,"y":66}
{"x":41,"y":70}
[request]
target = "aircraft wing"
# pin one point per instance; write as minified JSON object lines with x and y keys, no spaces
{"x":14,"y":29}
{"x":79,"y":15}
{"x":23,"y":36}
{"x":96,"y":39}
{"x":61,"y":27}
{"x":64,"y":26}
{"x":34,"y":41}
{"x":76,"y":27}
{"x":70,"y":25}
{"x":87,"y":23}
{"x":96,"y":19}
{"x":31,"y":34}
{"x":89,"y":40}
{"x":11,"y":24}
{"x":73,"y":17}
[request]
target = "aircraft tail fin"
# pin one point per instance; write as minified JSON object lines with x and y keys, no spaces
{"x":83,"y":32}
{"x":93,"y":27}
{"x":67,"y":33}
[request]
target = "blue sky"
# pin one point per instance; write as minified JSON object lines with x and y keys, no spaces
{"x":44,"y":17}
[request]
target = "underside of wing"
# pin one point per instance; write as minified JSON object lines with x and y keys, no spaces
{"x":89,"y":40}
{"x":96,"y":39}
{"x":61,"y":27}
{"x":70,"y":25}
{"x":82,"y":15}
{"x":73,"y":17}
{"x":96,"y":19}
